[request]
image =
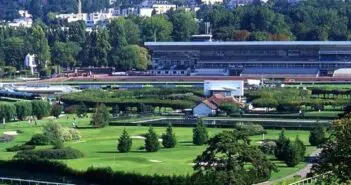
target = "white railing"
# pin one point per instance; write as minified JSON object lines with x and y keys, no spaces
{"x":311,"y":179}
{"x":25,"y":181}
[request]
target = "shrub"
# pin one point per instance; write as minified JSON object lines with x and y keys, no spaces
{"x":317,"y":136}
{"x":20,"y":147}
{"x":151,"y":141}
{"x":200,"y":134}
{"x":55,"y":131}
{"x":250,"y":129}
{"x":168,"y":139}
{"x":39,"y":139}
{"x":75,"y":134}
{"x":124,"y":142}
{"x":268,"y":147}
{"x":64,"y":153}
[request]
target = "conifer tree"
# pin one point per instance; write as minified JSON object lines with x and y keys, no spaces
{"x":151,"y":141}
{"x":200,"y":134}
{"x":168,"y":139}
{"x":124,"y":142}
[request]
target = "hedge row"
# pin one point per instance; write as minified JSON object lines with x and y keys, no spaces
{"x":64,"y":153}
{"x":103,"y":176}
{"x":23,"y":109}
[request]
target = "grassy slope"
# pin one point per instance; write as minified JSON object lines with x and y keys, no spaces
{"x":99,"y":146}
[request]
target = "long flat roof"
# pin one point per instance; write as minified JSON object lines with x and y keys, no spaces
{"x":251,"y":43}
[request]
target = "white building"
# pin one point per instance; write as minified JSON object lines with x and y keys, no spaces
{"x":145,"y":12}
{"x":163,"y":8}
{"x":205,"y":108}
{"x":228,"y":87}
{"x":24,"y":14}
{"x":125,"y":12}
{"x":29,"y":62}
{"x":73,"y":17}
{"x":21,"y":22}
{"x":209,"y":2}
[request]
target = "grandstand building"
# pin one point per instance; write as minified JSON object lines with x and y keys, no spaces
{"x":261,"y":58}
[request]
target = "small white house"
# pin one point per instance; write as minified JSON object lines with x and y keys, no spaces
{"x":29,"y":62}
{"x":205,"y":108}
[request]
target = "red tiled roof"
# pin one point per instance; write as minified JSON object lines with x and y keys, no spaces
{"x":209,"y":104}
{"x":219,"y":99}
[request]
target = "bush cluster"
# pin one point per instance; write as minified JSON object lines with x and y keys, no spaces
{"x":250,"y":129}
{"x":20,"y":147}
{"x":64,"y":153}
{"x":39,"y":139}
{"x":268,"y":147}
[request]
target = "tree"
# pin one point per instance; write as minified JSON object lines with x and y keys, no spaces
{"x":133,"y":57}
{"x":317,"y":135}
{"x":168,"y":139}
{"x":336,"y":150}
{"x":124,"y":142}
{"x":82,"y":110}
{"x":294,"y":153}
{"x":23,"y":109}
{"x":200,"y":134}
{"x":282,"y":145}
{"x":292,"y":157}
{"x":157,"y":28}
{"x":96,"y":49}
{"x":40,"y":46}
{"x":151,"y":142}
{"x":117,"y":33}
{"x":56,"y":110}
{"x":76,"y":32}
{"x":184,"y":25}
{"x":101,"y":117}
{"x":41,"y":108}
{"x":7,"y":111}
{"x":229,"y":159}
{"x":65,"y":53}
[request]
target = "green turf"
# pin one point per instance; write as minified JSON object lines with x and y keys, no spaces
{"x":99,"y":147}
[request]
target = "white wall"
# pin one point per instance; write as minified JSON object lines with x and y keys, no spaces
{"x":202,"y":110}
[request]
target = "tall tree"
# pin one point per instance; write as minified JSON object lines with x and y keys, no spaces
{"x":168,"y":139}
{"x":184,"y":25}
{"x":157,"y":28}
{"x":65,"y":53}
{"x":40,"y":46}
{"x":101,"y":116}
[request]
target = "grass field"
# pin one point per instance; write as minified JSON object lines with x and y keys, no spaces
{"x":99,"y":147}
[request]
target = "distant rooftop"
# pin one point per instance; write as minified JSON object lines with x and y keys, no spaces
{"x":251,"y":43}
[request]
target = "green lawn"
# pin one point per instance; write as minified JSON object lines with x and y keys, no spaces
{"x":99,"y":147}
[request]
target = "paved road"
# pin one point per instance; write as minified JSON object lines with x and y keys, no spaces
{"x":303,"y":172}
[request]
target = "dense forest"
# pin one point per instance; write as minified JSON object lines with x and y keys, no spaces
{"x":120,"y":42}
